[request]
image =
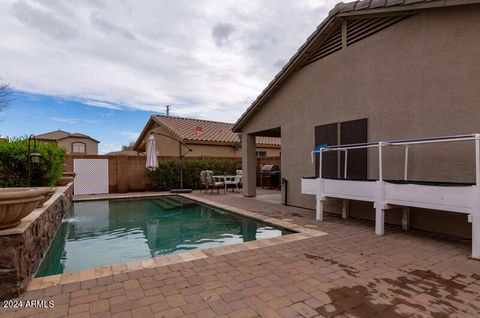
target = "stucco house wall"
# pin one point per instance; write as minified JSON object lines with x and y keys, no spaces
{"x":417,"y":78}
{"x":91,"y":147}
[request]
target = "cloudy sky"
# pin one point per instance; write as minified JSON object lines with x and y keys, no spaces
{"x":102,"y":67}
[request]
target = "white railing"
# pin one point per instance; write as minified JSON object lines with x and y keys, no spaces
{"x":405,"y":143}
{"x":385,"y":195}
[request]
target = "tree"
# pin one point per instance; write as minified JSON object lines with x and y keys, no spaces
{"x":129,"y":146}
{"x":5,"y":92}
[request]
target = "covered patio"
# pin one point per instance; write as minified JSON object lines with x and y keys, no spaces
{"x":249,"y":159}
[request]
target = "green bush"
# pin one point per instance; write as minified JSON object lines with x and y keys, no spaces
{"x":167,"y":175}
{"x":14,"y":163}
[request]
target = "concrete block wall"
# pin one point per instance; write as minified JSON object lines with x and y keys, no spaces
{"x":128,"y":173}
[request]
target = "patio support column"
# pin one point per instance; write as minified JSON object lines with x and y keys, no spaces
{"x":474,"y":217}
{"x":319,"y":209}
{"x":476,"y":234}
{"x":249,"y":165}
{"x":379,"y":219}
{"x":345,"y":210}
{"x":405,"y":218}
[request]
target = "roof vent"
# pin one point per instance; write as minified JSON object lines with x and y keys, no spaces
{"x":198,"y":131}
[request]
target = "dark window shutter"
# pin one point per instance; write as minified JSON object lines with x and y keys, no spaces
{"x":327,"y":134}
{"x":353,"y":132}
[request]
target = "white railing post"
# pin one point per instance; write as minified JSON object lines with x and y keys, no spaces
{"x":475,"y":215}
{"x":379,"y":209}
{"x":320,"y":163}
{"x":405,"y":173}
{"x":477,"y":159}
{"x":345,"y":168}
{"x":380,"y":164}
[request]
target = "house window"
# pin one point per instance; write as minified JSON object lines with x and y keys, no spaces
{"x":261,"y":153}
{"x":78,"y":147}
{"x":343,"y":133}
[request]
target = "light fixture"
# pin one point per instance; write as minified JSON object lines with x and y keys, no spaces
{"x":32,"y":157}
{"x":35,"y":157}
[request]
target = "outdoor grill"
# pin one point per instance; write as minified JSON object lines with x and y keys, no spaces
{"x":270,"y":176}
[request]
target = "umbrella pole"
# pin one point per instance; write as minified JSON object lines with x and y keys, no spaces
{"x":180,"y":144}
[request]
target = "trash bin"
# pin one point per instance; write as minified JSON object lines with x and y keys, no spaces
{"x":284,"y":191}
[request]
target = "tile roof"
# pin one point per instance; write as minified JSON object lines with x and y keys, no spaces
{"x":342,"y":7}
{"x":341,"y":10}
{"x":205,"y":130}
{"x":61,"y":134}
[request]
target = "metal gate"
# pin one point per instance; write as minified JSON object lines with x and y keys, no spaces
{"x":91,"y":176}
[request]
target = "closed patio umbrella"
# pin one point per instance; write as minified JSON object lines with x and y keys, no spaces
{"x":152,"y":161}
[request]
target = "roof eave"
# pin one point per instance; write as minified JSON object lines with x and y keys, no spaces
{"x":284,"y":72}
{"x":339,"y":11}
{"x":80,"y":137}
{"x":140,"y":138}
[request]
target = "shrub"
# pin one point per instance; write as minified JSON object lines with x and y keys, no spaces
{"x":167,"y":175}
{"x":14,"y":163}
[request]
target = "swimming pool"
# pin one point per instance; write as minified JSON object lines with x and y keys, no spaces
{"x":98,"y":233}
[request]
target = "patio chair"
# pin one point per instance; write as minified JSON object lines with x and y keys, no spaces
{"x":203,"y":181}
{"x":211,"y":182}
{"x":237,"y":181}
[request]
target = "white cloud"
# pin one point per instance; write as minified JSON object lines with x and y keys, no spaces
{"x":69,"y":120}
{"x":65,"y":120}
{"x":102,"y":104}
{"x":108,"y":147}
{"x":131,"y":135}
{"x":207,"y":58}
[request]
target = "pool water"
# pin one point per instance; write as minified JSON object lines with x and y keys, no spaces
{"x":98,"y":233}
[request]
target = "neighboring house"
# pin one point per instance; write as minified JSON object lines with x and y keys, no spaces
{"x":126,"y":151}
{"x":372,"y":71}
{"x":205,"y":138}
{"x":73,"y":143}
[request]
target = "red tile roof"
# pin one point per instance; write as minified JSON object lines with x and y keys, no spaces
{"x":204,"y":130}
{"x":61,"y":134}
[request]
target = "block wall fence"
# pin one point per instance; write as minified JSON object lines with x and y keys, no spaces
{"x":128,"y":173}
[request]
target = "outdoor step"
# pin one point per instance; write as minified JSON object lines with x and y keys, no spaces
{"x":174,"y":202}
{"x":162,"y":203}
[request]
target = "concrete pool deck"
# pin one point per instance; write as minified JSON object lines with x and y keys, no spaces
{"x":350,"y":272}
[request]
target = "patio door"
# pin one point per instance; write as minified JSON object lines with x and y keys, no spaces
{"x":91,"y":176}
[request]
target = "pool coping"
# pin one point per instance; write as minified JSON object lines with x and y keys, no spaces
{"x":301,"y":233}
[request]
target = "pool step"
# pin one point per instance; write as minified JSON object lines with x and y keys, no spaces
{"x":167,"y":203}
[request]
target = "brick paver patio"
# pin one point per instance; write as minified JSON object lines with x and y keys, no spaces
{"x":350,"y":272}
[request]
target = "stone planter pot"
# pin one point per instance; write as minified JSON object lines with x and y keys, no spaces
{"x":48,"y":193}
{"x":17,"y":203}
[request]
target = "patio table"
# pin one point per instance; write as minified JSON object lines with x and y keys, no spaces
{"x":224,"y":178}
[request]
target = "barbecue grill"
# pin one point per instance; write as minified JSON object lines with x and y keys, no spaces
{"x":270,"y":176}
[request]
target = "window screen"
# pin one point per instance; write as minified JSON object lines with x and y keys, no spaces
{"x":78,"y":147}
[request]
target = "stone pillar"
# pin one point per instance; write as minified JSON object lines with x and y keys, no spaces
{"x":249,"y":165}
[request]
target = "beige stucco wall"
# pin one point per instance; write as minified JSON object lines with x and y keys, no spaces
{"x":271,"y":152}
{"x":417,"y":78}
{"x":169,"y":147}
{"x":91,"y":146}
